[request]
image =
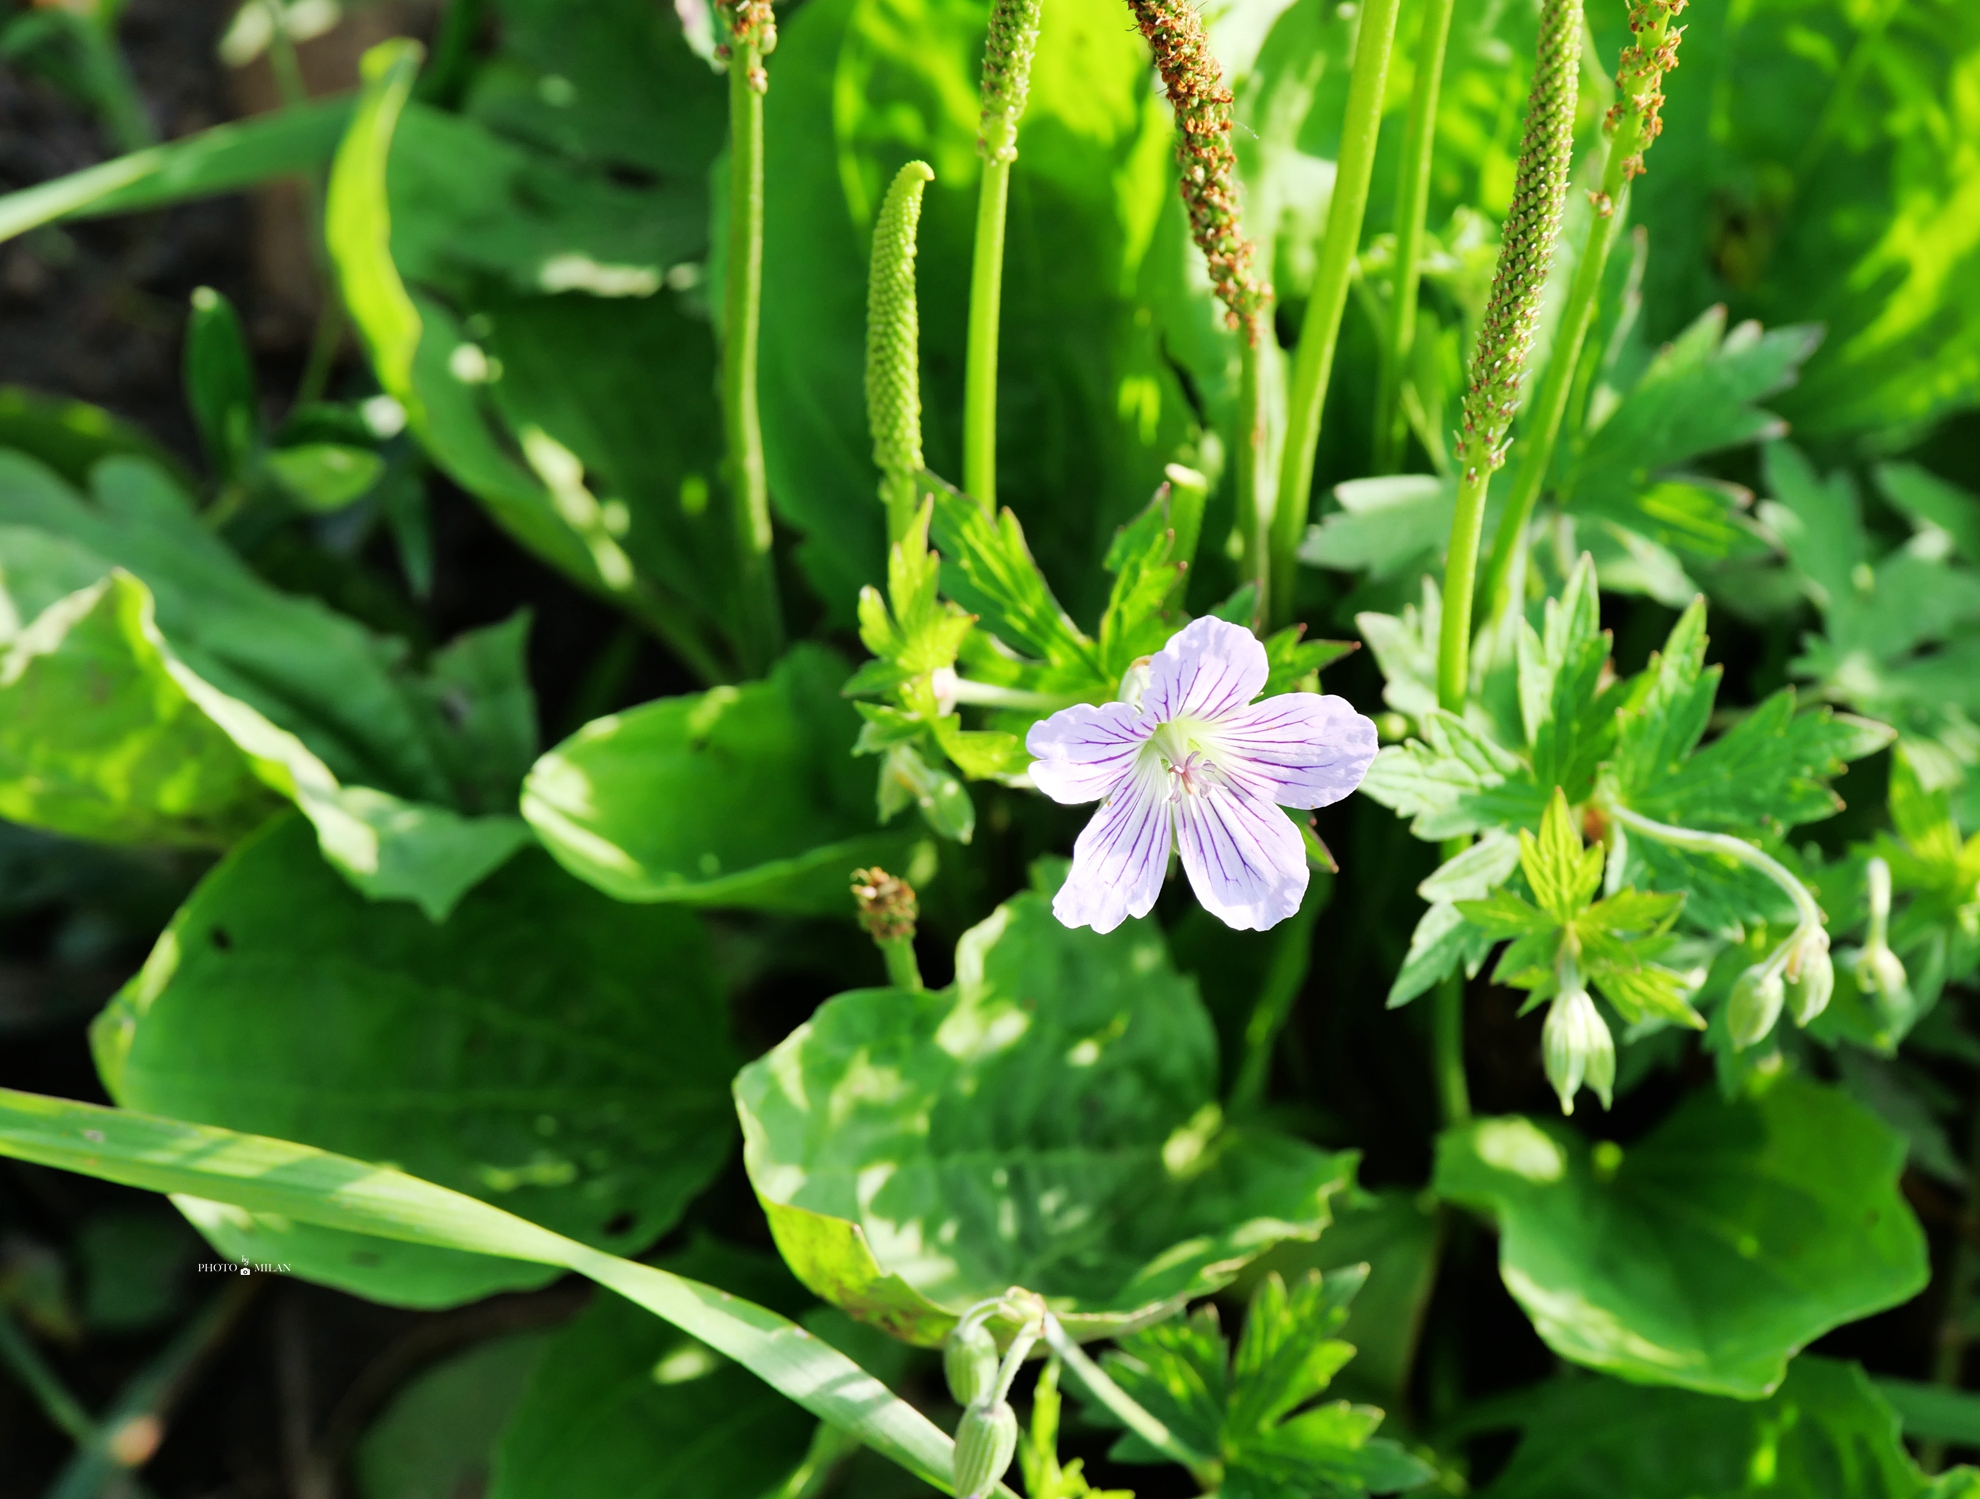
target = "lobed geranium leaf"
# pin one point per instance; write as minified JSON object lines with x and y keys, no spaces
{"x":1255,"y":1408}
{"x":1711,"y":1252}
{"x":1825,"y":1433}
{"x":1454,"y":780}
{"x":988,"y":569}
{"x":1569,"y":720}
{"x":1049,"y":1121}
{"x":744,"y":796}
{"x":545,"y":1047}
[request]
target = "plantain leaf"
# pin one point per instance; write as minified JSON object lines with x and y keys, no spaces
{"x":544,"y":1046}
{"x":1707,"y":1255}
{"x":1047,"y":1122}
{"x":744,"y":796}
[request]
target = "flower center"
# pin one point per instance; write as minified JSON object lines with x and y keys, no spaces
{"x":1179,"y":749}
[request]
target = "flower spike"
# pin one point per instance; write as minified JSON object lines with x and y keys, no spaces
{"x":1192,"y":762}
{"x":1202,"y":104}
{"x":1007,"y":54}
{"x":1532,"y":226}
{"x":893,"y":346}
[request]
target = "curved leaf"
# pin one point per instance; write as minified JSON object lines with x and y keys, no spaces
{"x":544,"y":1047}
{"x":1046,"y":1122}
{"x":1709,"y":1254}
{"x":739,"y":796}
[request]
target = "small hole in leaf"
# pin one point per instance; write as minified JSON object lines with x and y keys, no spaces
{"x":221,"y":940}
{"x":619,"y":1223}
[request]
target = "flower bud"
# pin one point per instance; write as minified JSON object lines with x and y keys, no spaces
{"x":1808,"y":992}
{"x":1578,"y":1048}
{"x":1757,"y":997}
{"x":1880,"y":974}
{"x":986,"y":1441}
{"x":969,"y":1359}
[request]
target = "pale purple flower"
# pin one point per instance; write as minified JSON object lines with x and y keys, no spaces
{"x":1195,"y":763}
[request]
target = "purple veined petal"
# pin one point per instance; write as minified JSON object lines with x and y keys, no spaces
{"x":1083,"y":752}
{"x":1298,"y":749}
{"x":1243,"y":857}
{"x":1210,"y":669}
{"x":1120,"y":858}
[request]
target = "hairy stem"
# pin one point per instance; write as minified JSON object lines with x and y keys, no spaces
{"x":1320,"y":334}
{"x":1632,"y":125}
{"x":759,"y":623}
{"x":986,"y":294}
{"x":1726,"y":846}
{"x":1412,"y":210}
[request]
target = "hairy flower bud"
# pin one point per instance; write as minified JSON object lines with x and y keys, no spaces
{"x":1007,"y":54}
{"x":1814,"y":979}
{"x":893,"y":344}
{"x":1578,"y":1048}
{"x":969,"y":1361}
{"x":986,"y":1441}
{"x":1757,"y":997}
{"x":1880,"y":974}
{"x":1527,"y":250}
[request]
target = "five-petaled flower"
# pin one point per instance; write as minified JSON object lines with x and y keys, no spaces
{"x":1196,"y":763}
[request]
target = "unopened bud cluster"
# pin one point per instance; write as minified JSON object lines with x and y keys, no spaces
{"x":893,"y":338}
{"x":1506,"y":334}
{"x":751,"y":26}
{"x":1799,"y":976}
{"x":1634,"y":121}
{"x":1202,"y":105}
{"x":1007,"y":55}
{"x":887,"y":906}
{"x":1879,"y":972}
{"x":986,"y":1438}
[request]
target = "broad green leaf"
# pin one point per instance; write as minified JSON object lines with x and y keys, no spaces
{"x":1933,"y":1412}
{"x":1253,"y":1407}
{"x":279,"y":1178}
{"x":72,"y":437}
{"x":1930,"y":500}
{"x":225,"y":159}
{"x":424,"y":357}
{"x":1385,"y":527}
{"x":1708,"y":1254}
{"x":99,"y":740}
{"x":624,"y":1406}
{"x":1048,"y":1122}
{"x":544,"y":1047}
{"x":438,"y":1435}
{"x":102,"y":643}
{"x":1826,"y":1433}
{"x":1088,"y":404}
{"x":743,"y":796}
{"x":325,"y":476}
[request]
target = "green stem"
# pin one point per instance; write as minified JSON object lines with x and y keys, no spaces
{"x":1093,"y":1379}
{"x":63,"y":1410}
{"x":1412,"y":210}
{"x":760,"y":623}
{"x":1283,"y":980}
{"x":1550,"y":402}
{"x":1454,"y":643}
{"x":1447,"y":1031}
{"x":1253,"y":498}
{"x":1725,"y":846}
{"x":991,"y":695}
{"x":903,"y":972}
{"x":1321,"y":333}
{"x":986,"y":295}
